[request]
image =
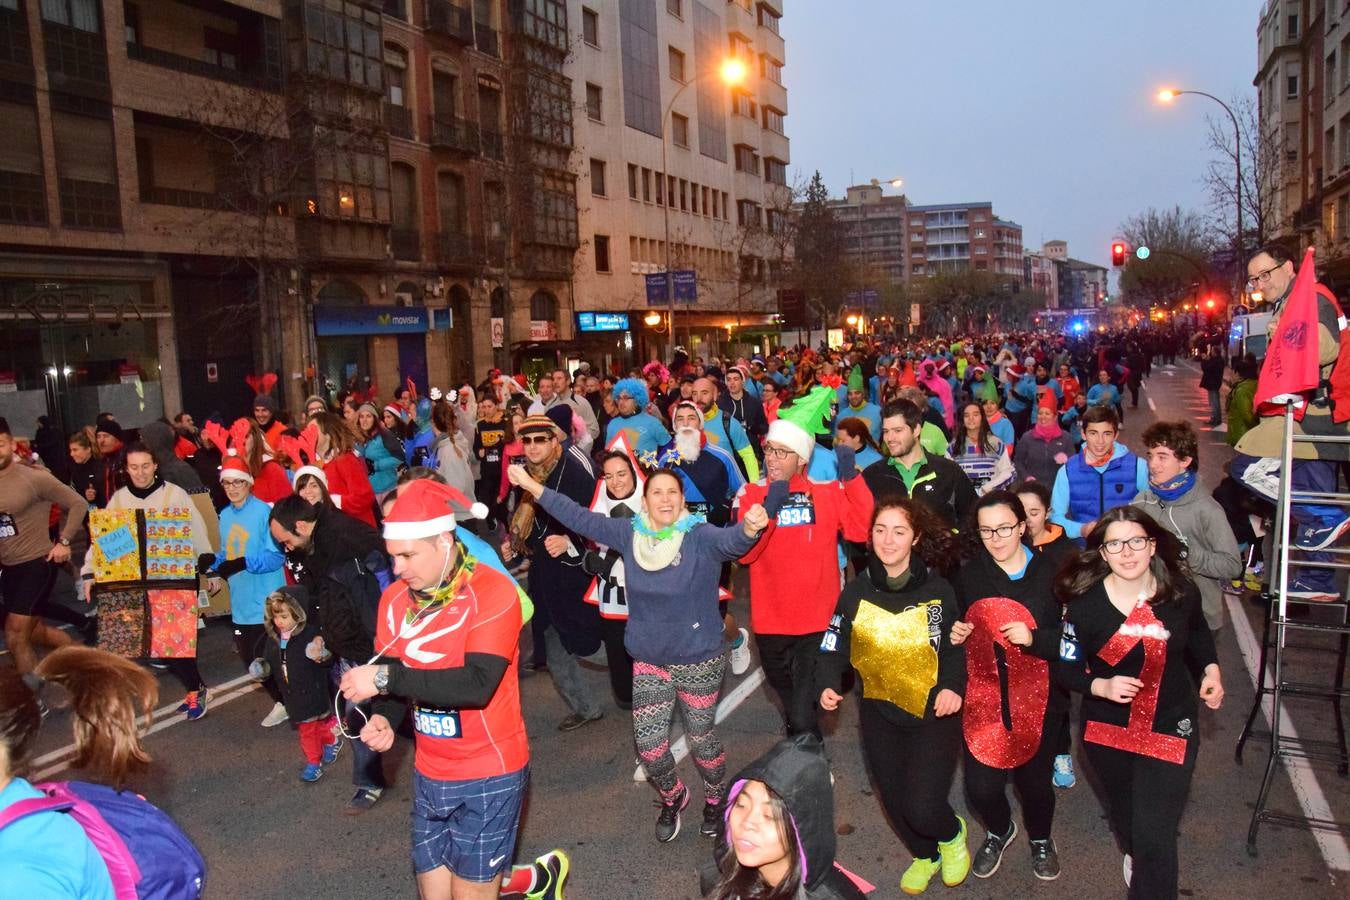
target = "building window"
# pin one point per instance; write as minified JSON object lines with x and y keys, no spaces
{"x":602,"y":253}
{"x":590,"y":26}
{"x":131,"y":21}
{"x":660,"y":189}
{"x":747,"y":213}
{"x":676,"y":59}
{"x":641,"y":67}
{"x":773,"y":119}
{"x":1291,"y":87}
{"x":768,"y":18}
{"x":747,"y":160}
{"x":632,"y":181}
{"x":679,"y":129}
{"x":693,"y":198}
{"x":86,"y":169}
{"x":344,"y":45}
{"x":775,"y":172}
{"x":647,"y":185}
{"x":23,"y":197}
{"x":543,"y":307}
{"x":675,"y":8}
{"x":684,"y":197}
{"x":594,"y":102}
{"x":704,"y":192}
{"x":81,"y":15}
{"x":598,"y":177}
{"x":743,"y":105}
{"x":1292,"y":33}
{"x":771,"y":69}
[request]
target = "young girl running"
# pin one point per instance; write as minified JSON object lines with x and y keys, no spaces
{"x":893,"y":625}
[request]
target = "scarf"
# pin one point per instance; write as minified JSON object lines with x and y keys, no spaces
{"x":522,"y":520}
{"x":655,"y":548}
{"x":1175,"y":489}
{"x":1100,"y":461}
{"x":1047,"y":433}
{"x":142,"y":493}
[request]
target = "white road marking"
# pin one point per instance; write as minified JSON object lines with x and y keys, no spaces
{"x":1151,"y":405}
{"x":166,"y":716}
{"x":1311,"y":799}
{"x":728,"y":704}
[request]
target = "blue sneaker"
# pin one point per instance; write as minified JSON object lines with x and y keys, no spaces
{"x":187,"y":701}
{"x":311,"y":773}
{"x":1318,"y":537}
{"x":330,"y":752}
{"x":1313,"y":590}
{"x":1064,"y":776}
{"x":194,"y":704}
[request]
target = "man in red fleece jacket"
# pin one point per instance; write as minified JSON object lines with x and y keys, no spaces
{"x":795,"y":573}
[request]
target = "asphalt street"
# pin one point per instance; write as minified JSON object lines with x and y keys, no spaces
{"x":234,"y":787}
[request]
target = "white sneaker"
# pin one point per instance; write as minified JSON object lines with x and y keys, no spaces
{"x":640,"y":773}
{"x":1128,"y":868}
{"x":740,"y":655}
{"x":276,"y":716}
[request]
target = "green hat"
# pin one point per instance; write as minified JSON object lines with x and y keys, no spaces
{"x":797,"y":425}
{"x":855,"y":380}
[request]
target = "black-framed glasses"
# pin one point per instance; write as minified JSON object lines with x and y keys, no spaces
{"x":1001,"y":530}
{"x":1261,"y":278}
{"x":776,"y":452}
{"x":536,"y":439}
{"x":1136,"y":543}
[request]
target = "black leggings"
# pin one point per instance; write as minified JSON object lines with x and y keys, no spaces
{"x":248,"y":643}
{"x":620,"y":663}
{"x":789,"y":662}
{"x":987,"y":787}
{"x":186,"y":671}
{"x":1144,"y":800}
{"x":912,"y":766}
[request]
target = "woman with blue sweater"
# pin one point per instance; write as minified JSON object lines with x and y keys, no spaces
{"x":672,"y":561}
{"x":382,"y":451}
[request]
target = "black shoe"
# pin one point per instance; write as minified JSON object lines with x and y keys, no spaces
{"x":1044,"y":860}
{"x":988,"y":857}
{"x":712,"y":820}
{"x":575,"y":721}
{"x":668,"y":823}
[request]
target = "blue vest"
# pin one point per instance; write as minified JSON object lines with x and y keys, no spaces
{"x":1092,"y":493}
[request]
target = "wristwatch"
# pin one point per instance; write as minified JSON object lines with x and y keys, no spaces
{"x":382,"y":680}
{"x":63,"y":541}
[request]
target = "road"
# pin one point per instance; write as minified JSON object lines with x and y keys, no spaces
{"x":233,"y":786}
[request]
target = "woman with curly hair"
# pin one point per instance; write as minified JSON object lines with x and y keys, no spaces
{"x":893,"y":625}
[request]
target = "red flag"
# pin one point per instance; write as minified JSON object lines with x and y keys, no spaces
{"x":1291,"y":359}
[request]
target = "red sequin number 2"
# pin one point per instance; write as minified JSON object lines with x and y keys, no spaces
{"x":1028,"y":688}
{"x":1139,"y":736}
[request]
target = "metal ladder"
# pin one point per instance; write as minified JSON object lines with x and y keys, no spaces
{"x":1271,"y":678}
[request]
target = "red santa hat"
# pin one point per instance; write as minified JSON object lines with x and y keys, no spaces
{"x":423,"y":510}
{"x":234,"y":469}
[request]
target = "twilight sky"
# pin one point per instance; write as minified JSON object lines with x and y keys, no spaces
{"x":1045,"y":107}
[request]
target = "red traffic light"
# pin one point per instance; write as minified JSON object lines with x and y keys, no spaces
{"x":1118,"y":253}
{"x":1209,"y":304}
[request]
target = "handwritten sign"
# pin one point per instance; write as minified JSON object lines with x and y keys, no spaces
{"x":117,"y":543}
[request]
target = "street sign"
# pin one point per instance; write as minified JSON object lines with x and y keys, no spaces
{"x":1142,"y":252}
{"x":498,"y":332}
{"x":792,"y":306}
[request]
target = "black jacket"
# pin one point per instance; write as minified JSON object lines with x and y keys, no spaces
{"x":92,"y":472}
{"x":941,"y":486}
{"x":345,"y":571}
{"x":161,"y":438}
{"x":1211,"y":373}
{"x":798,"y":772}
{"x":749,"y":411}
{"x":871,"y":586}
{"x":302,"y":681}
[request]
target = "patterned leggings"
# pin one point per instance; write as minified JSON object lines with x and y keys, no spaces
{"x":696,"y":687}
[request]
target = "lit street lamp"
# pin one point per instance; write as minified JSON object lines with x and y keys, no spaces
{"x":1167,"y":95}
{"x":732,"y":71}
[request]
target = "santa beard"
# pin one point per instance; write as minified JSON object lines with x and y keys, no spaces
{"x":688,"y":443}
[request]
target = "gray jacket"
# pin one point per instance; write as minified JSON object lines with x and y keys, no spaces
{"x":1211,"y":550}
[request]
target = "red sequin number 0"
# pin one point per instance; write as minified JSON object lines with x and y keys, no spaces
{"x":1139,"y":736}
{"x":988,"y":738}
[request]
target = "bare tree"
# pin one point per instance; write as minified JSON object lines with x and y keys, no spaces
{"x":1181,"y":244}
{"x":1266,"y":172}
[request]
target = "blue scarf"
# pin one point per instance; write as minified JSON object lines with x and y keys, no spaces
{"x":1175,"y":489}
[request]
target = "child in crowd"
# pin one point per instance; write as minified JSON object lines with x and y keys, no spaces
{"x":297,"y":657}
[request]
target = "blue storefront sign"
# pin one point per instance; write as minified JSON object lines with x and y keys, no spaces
{"x":602,"y":321}
{"x":333,"y":321}
{"x":685,"y":283}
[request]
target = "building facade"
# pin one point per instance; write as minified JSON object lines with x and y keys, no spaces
{"x":676,"y":166}
{"x":960,"y":237}
{"x":875,"y":227}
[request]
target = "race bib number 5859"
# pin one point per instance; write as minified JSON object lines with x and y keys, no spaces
{"x":437,"y":723}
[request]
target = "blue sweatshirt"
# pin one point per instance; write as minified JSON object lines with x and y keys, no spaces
{"x":245,"y":534}
{"x":673,"y":617}
{"x":645,"y":432}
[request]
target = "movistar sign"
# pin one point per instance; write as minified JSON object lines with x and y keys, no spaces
{"x":332,"y":321}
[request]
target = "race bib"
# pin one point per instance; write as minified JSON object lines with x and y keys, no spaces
{"x":1068,"y":644}
{"x":799,"y":510}
{"x":437,"y":723}
{"x":8,"y":528}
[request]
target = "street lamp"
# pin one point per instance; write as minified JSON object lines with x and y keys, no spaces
{"x":732,"y":71}
{"x":1167,"y":95}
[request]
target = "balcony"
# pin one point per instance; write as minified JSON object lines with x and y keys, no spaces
{"x":167,"y":196}
{"x":451,"y":133}
{"x":455,"y":249}
{"x":485,"y":39}
{"x":454,"y":22}
{"x":166,"y":60}
{"x":494,"y":144}
{"x":398,"y":119}
{"x":405,"y":244}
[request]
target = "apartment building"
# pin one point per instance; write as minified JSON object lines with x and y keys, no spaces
{"x":875,"y":227}
{"x":1281,"y":85}
{"x":676,"y":165}
{"x":959,"y":237}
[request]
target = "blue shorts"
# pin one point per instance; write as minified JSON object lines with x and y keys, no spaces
{"x":468,"y":826}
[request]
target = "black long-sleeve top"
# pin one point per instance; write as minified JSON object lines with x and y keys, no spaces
{"x":1091,"y":621}
{"x":981,"y":577}
{"x":872,"y":587}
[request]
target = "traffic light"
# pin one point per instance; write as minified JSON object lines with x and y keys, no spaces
{"x":1117,"y":253}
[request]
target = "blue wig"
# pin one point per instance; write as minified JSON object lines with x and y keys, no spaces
{"x":634,"y":387}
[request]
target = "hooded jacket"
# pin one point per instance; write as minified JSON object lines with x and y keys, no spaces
{"x":798,"y":772}
{"x":161,"y":439}
{"x":302,"y":681}
{"x":1210,"y":547}
{"x":345,"y":571}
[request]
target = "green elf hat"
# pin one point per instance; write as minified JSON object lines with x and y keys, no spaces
{"x":855,"y":380}
{"x":798,"y":424}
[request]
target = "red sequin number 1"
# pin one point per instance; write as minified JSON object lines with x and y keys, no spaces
{"x":1139,"y":736}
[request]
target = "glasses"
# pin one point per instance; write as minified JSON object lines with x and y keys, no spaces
{"x":776,"y":452}
{"x":234,"y":483}
{"x":1002,"y":531}
{"x":1261,"y":278}
{"x":1137,"y":543}
{"x":537,"y":439}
